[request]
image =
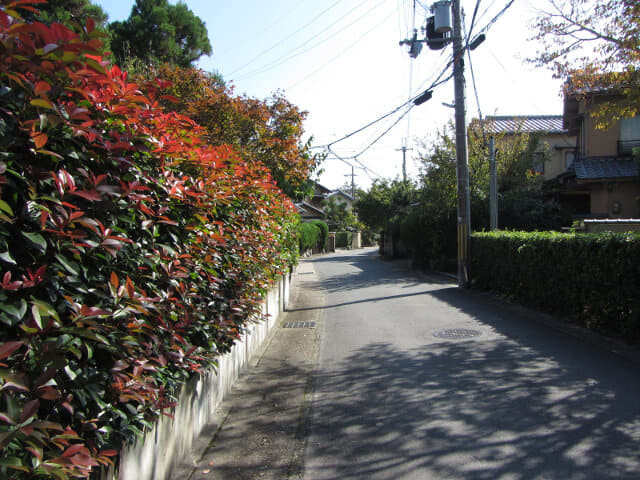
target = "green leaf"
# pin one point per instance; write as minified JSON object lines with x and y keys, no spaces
{"x":45,"y":309}
{"x":70,"y":267}
{"x":7,"y":258}
{"x":41,"y":102}
{"x":11,"y":310}
{"x":37,"y":240}
{"x":14,"y":463}
{"x":4,"y":206}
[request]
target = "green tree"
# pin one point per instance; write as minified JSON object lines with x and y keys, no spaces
{"x":595,"y":45}
{"x":338,"y":214}
{"x":385,"y":200}
{"x":69,"y":12}
{"x":158,"y":31}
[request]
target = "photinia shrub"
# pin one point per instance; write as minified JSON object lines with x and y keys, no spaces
{"x":132,"y":253}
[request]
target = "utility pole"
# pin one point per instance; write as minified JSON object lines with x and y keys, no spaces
{"x":493,"y":185}
{"x":462,"y":170}
{"x":353,"y":183}
{"x":404,"y":151}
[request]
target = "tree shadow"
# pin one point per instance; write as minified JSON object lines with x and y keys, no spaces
{"x":366,"y":269}
{"x":521,"y":402}
{"x":472,"y":410}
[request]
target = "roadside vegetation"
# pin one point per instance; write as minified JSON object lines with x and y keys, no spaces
{"x":135,"y":243}
{"x":421,"y":216}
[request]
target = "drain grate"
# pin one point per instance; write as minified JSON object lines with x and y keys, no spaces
{"x":457,"y":333}
{"x":305,"y":273}
{"x":299,"y":325}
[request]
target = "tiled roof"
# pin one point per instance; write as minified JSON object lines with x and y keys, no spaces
{"x":598,"y":168}
{"x":525,"y":124}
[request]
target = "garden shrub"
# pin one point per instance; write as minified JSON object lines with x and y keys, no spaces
{"x":591,"y":279}
{"x":132,"y":253}
{"x":324,"y":233}
{"x":308,"y":235}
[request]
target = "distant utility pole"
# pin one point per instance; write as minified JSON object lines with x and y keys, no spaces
{"x":493,"y":185}
{"x":404,"y":150}
{"x":353,"y":182}
{"x":464,"y":205}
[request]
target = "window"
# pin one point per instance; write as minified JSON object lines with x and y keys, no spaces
{"x":538,"y":162}
{"x":569,"y":157}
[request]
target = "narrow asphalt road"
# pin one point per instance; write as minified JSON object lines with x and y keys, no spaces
{"x":519,"y":400}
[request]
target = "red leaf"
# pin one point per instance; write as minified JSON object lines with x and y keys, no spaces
{"x":8,"y":348}
{"x":29,"y":410}
{"x":73,"y":449}
{"x":48,"y":393}
{"x":114,"y":280}
{"x":45,"y":377}
{"x":92,"y":196}
{"x":130,"y":288}
{"x":42,"y":87}
{"x":40,"y":139}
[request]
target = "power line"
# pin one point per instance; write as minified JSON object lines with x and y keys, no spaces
{"x":386,"y":131}
{"x":500,"y":13}
{"x":343,"y":51}
{"x":297,"y":51}
{"x":280,"y":42}
{"x":439,"y":81}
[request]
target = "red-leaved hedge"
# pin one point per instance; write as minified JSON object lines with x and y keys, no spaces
{"x":131,"y":252}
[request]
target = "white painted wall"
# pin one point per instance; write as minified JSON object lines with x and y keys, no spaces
{"x":172,"y":439}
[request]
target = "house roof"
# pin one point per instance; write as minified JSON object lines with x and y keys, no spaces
{"x":525,"y":124}
{"x":600,"y":168}
{"x":307,"y":207}
{"x":342,"y":193}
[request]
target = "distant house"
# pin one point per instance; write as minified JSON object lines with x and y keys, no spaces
{"x":603,"y":181}
{"x":309,"y":211}
{"x":313,"y":207}
{"x":556,"y":146}
{"x":340,"y":196}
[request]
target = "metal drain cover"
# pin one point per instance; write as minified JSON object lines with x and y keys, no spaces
{"x":299,"y":325}
{"x":457,"y":333}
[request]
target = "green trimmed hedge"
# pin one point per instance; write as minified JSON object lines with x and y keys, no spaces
{"x":308,"y":235}
{"x":591,"y":279}
{"x":323,"y":239}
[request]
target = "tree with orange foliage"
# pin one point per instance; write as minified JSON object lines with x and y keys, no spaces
{"x":269,"y":131}
{"x":595,"y":44}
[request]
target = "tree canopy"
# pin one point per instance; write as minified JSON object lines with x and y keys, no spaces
{"x":595,"y":44}
{"x":68,"y":12}
{"x":158,"y":31}
{"x":269,"y":131}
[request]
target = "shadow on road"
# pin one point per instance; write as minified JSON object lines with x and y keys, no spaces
{"x":474,"y":410}
{"x":527,"y":403}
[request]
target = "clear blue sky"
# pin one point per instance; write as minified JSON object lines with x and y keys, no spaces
{"x":340,"y":60}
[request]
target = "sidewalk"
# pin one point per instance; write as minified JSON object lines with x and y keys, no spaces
{"x":260,"y":429}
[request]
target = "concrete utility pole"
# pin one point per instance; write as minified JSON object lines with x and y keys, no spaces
{"x":493,"y":185}
{"x":464,"y":205}
{"x":353,"y":183}
{"x":404,"y":151}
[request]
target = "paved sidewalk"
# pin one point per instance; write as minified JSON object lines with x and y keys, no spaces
{"x":260,"y":429}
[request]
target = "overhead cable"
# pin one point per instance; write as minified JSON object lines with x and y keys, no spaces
{"x":297,"y":51}
{"x":342,"y":52}
{"x":280,"y":42}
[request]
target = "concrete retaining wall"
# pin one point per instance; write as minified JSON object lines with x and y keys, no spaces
{"x":171,"y":440}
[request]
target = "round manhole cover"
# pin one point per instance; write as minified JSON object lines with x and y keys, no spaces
{"x":457,"y":333}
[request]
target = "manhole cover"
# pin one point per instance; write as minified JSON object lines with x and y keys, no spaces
{"x":457,"y":333}
{"x":299,"y":325}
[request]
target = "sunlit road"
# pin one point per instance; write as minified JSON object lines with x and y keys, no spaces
{"x":517,"y":401}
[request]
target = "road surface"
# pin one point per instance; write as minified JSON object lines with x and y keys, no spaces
{"x":403,"y":391}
